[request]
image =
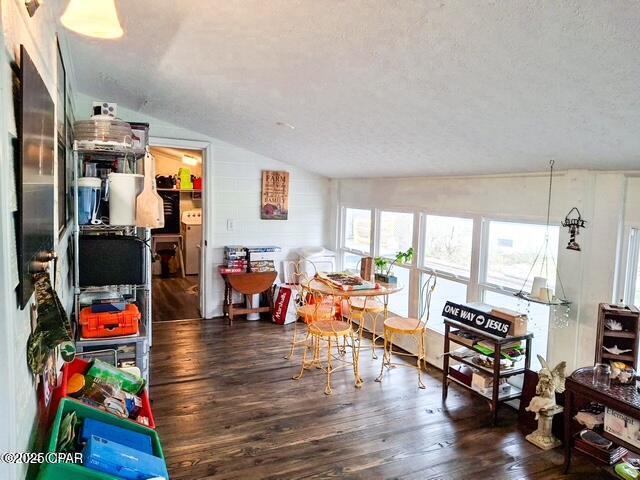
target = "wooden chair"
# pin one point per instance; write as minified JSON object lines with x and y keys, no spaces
{"x":297,"y":274}
{"x":409,"y":327}
{"x":174,"y":238}
{"x":329,"y":330}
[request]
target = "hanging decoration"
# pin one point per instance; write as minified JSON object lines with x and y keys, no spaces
{"x":574,"y":224}
{"x":541,"y":292}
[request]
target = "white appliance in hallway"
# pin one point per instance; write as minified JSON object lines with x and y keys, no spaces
{"x":191,"y":222}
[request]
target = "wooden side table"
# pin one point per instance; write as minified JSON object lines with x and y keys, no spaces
{"x":580,"y":390}
{"x":247,"y":283}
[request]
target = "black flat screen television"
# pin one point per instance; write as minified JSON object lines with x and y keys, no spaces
{"x":36,"y":134}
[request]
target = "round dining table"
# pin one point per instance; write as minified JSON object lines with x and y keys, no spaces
{"x":382,"y":290}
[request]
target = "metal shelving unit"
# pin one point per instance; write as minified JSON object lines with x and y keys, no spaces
{"x":109,"y":152}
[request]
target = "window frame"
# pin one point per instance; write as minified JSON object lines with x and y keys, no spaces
{"x":471,"y":282}
{"x":476,"y":284}
{"x":377,"y":235}
{"x":343,"y":229}
{"x":376,"y":226}
{"x":628,"y":290}
{"x":483,"y":284}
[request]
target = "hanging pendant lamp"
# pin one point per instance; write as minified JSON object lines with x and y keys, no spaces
{"x":93,"y":18}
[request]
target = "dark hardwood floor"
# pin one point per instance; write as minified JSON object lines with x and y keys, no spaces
{"x":226,"y":408}
{"x":176,"y":298}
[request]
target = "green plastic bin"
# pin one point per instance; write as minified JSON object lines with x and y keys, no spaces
{"x":68,"y":471}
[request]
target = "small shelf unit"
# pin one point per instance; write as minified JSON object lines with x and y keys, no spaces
{"x":497,"y":396}
{"x":139,"y":344}
{"x":628,"y":318}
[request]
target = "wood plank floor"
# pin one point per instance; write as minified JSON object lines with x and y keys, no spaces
{"x":174,"y":298}
{"x":226,"y":408}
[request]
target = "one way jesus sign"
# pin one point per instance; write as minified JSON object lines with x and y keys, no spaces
{"x":476,"y":319}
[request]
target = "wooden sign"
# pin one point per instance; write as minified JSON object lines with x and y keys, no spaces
{"x":477,"y":319}
{"x":275,"y":195}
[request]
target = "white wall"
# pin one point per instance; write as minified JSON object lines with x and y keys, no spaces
{"x":236,"y":185}
{"x":605,"y":199}
{"x":18,"y":402}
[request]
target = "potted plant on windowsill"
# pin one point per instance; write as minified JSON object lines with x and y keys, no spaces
{"x":384,"y":266}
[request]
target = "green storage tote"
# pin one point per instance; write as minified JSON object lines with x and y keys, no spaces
{"x":67,"y":471}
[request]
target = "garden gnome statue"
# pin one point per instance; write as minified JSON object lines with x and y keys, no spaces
{"x":544,"y":404}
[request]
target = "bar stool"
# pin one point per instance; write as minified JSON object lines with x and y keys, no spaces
{"x":411,"y":327}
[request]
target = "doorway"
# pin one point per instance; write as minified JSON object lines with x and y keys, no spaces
{"x":177,"y":248}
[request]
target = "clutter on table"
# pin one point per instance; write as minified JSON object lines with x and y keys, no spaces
{"x":345,"y":281}
{"x":239,"y":259}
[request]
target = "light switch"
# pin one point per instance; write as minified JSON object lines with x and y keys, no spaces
{"x":230,"y":223}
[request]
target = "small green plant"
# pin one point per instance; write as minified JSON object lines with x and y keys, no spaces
{"x":401,"y":258}
{"x":381,"y":264}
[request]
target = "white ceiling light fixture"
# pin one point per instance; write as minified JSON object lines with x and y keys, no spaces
{"x":93,"y":18}
{"x":191,"y":161}
{"x":285,"y":124}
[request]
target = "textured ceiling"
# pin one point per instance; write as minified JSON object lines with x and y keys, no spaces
{"x":385,"y":87}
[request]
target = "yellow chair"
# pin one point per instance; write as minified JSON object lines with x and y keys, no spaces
{"x":321,"y":330}
{"x":409,"y":327}
{"x":297,"y":274}
{"x":359,"y":309}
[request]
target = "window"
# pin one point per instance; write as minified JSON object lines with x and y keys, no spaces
{"x":512,"y":249}
{"x":636,"y":297}
{"x":445,"y":291}
{"x":447,"y":249}
{"x":632,"y":281}
{"x":396,"y":233}
{"x":351,"y":262}
{"x":399,"y":302}
{"x":357,"y":230}
{"x":447,"y":244}
{"x":490,"y":271}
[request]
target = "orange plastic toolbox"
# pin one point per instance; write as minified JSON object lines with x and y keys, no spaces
{"x":109,"y":324}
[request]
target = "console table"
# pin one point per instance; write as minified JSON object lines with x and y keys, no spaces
{"x":579,"y":386}
{"x":495,"y":398}
{"x":247,"y":283}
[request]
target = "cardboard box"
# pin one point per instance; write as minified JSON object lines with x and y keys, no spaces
{"x":481,"y":380}
{"x":518,"y":320}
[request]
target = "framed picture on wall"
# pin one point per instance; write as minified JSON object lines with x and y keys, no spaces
{"x":275,"y":195}
{"x":61,"y":124}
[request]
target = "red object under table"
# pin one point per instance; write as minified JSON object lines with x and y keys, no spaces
{"x":82,"y":366}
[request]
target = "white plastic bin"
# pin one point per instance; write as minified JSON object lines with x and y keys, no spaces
{"x":123,"y":188}
{"x":324,"y":260}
